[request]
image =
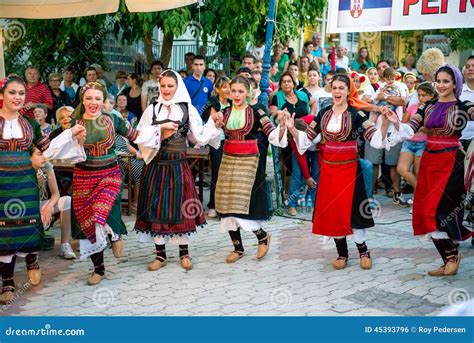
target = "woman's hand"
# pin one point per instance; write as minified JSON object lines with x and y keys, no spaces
{"x":290,"y":121}
{"x":311,"y":183}
{"x":168,"y":129}
{"x":391,"y":116}
{"x":77,"y":129}
{"x":218,"y":118}
{"x":138,"y":156}
{"x":80,"y":133}
{"x":169,"y":126}
{"x":46,"y":214}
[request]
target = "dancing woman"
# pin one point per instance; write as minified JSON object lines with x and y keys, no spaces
{"x":20,"y":218}
{"x":168,"y":205}
{"x":341,"y":203}
{"x":96,"y":216}
{"x":438,"y":204}
{"x":241,"y":194}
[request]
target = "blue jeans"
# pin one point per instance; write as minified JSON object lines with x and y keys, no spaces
{"x":367,"y":172}
{"x":312,"y":158}
{"x":296,"y":182}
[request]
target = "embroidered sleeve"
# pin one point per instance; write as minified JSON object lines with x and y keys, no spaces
{"x":123,"y":129}
{"x":366,"y":127}
{"x":267,"y":125}
{"x":269,"y":129}
{"x":314,"y":128}
{"x":469,"y":109}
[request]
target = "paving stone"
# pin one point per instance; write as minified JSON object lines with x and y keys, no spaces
{"x":295,"y":279}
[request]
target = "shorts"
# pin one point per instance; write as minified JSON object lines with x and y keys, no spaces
{"x":63,"y":204}
{"x":375,"y":155}
{"x":414,"y":148}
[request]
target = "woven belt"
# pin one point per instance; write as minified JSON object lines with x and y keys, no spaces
{"x":442,"y":150}
{"x":340,"y":162}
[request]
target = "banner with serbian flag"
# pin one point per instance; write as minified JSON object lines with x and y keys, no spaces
{"x":357,"y":13}
{"x":395,"y":15}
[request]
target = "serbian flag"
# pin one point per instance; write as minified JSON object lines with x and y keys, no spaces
{"x":364,"y":13}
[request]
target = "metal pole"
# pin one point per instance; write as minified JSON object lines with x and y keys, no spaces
{"x":263,"y":99}
{"x":265,"y":82}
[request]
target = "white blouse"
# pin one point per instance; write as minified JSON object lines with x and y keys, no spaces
{"x":149,"y":139}
{"x":12,"y":129}
{"x":335,"y":125}
{"x":64,"y":147}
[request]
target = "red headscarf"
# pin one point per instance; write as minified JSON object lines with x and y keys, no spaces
{"x":353,"y":99}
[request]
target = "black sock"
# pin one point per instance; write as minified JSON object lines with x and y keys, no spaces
{"x":237,"y":240}
{"x":446,"y":248}
{"x":261,"y":236}
{"x":32,"y":261}
{"x":362,"y":249}
{"x":7,"y":271}
{"x":341,"y":246}
{"x":98,"y":261}
{"x":439,"y":247}
{"x":183,"y":250}
{"x":160,"y":251}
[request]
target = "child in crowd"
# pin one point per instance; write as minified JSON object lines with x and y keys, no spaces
{"x":54,"y":204}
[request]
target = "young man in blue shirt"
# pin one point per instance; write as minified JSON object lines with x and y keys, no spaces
{"x":198,"y":86}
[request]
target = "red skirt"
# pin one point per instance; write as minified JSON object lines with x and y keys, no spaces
{"x":438,"y":200}
{"x":341,"y":192}
{"x":94,"y":196}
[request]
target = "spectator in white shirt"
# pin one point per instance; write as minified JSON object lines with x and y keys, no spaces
{"x":342,"y":61}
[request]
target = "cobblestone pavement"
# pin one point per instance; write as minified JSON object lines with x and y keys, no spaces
{"x":295,"y":279}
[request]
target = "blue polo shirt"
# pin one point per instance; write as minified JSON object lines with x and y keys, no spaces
{"x":201,"y":98}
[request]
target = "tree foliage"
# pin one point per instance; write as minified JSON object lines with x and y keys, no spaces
{"x":52,"y":44}
{"x":234,"y":23}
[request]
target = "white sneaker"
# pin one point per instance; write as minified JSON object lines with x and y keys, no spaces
{"x":410,"y":201}
{"x":411,"y":210}
{"x":66,"y":252}
{"x":212,"y":213}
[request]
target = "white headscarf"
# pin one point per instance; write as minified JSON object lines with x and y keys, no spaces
{"x":181,"y":94}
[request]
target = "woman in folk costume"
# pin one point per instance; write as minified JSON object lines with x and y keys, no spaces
{"x":168,"y":205}
{"x":20,"y":217}
{"x":96,"y":217}
{"x":438,"y":203}
{"x":241,"y":195}
{"x":342,"y":208}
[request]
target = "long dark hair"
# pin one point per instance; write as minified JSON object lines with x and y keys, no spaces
{"x":359,"y":59}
